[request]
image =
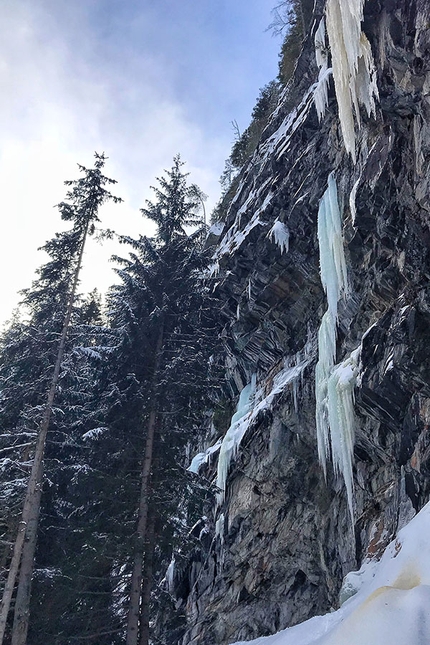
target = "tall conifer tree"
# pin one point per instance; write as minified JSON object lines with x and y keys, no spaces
{"x":158,"y":310}
{"x":51,"y":301}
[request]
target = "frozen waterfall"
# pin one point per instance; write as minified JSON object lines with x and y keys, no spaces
{"x":334,"y":384}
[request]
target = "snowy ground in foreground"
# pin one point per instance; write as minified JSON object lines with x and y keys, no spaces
{"x":392,"y":603}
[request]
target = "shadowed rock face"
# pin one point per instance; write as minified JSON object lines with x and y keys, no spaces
{"x":288,"y":539}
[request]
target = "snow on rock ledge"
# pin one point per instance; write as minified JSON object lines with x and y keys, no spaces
{"x":392,"y":606}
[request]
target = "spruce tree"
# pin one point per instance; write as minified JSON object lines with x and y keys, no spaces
{"x":51,"y":303}
{"x":166,"y":335}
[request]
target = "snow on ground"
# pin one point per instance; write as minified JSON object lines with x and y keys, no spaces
{"x":392,"y":603}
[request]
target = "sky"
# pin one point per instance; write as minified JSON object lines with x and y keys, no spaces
{"x":141,"y":80}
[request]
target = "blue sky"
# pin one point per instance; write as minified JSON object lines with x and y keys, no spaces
{"x":139,"y":79}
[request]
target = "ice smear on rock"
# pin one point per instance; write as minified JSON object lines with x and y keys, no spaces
{"x":203,"y":457}
{"x":252,"y":402}
{"x":234,"y":435}
{"x":353,"y":66}
{"x":391,"y":604}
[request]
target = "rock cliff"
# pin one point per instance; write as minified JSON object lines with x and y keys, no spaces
{"x":284,"y":536}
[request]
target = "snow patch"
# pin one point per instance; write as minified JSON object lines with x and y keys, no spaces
{"x":235,"y":236}
{"x":212,"y":271}
{"x":275,"y":146}
{"x":390,"y":602}
{"x":216,"y":229}
{"x":93,"y":434}
{"x":88,"y":351}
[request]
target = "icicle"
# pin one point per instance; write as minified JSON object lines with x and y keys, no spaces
{"x":326,"y":356}
{"x":321,"y":90}
{"x":341,"y":418}
{"x":353,"y":66}
{"x":253,"y":401}
{"x":219,"y":527}
{"x":332,"y":258}
{"x":334,"y":385}
{"x":280,"y":234}
{"x":170,"y":574}
{"x":320,"y":46}
{"x":352,"y":197}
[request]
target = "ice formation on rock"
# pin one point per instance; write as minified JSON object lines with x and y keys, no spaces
{"x":326,"y":359}
{"x":341,"y":419}
{"x":321,"y":89}
{"x":321,"y":92}
{"x":332,"y":257}
{"x":234,"y":435}
{"x":280,"y":234}
{"x":354,"y":70}
{"x":203,"y":457}
{"x":252,"y":401}
{"x":334,"y":384}
{"x":170,"y":575}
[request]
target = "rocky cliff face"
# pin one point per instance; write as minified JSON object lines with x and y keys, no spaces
{"x":285,"y":537}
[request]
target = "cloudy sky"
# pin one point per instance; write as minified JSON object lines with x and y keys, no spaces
{"x":141,"y":80}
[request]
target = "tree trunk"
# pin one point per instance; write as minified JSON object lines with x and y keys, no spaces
{"x":147,"y":582}
{"x":22,"y":600}
{"x":142,"y":521}
{"x":31,"y":507}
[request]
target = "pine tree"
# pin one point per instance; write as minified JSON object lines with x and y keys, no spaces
{"x":51,"y":303}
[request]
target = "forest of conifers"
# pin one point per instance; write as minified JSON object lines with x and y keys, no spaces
{"x":103,"y":401}
{"x":98,"y":408}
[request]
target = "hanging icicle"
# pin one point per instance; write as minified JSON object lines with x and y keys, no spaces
{"x":321,"y":89}
{"x":334,"y":384}
{"x":353,"y":66}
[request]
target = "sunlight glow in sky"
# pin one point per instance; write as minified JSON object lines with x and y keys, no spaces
{"x":141,"y":80}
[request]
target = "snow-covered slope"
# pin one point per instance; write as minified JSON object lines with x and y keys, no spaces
{"x":393,"y":606}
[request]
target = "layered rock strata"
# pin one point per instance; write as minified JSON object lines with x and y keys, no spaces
{"x":285,"y":538}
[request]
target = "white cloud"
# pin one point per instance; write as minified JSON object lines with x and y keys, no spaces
{"x":73,"y":83}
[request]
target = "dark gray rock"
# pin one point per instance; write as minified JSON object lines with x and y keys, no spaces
{"x":288,"y":539}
